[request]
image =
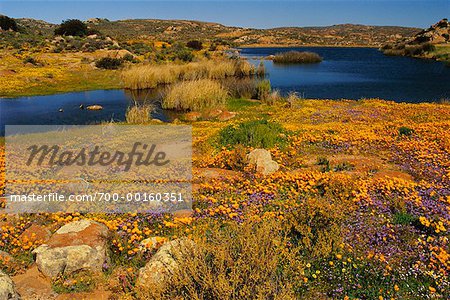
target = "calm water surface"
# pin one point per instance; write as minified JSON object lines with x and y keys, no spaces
{"x":355,"y":73}
{"x":351,"y":73}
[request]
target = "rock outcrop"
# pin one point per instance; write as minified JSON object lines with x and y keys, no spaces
{"x":165,"y":261}
{"x":7,"y":288}
{"x":262,"y":160}
{"x":80,"y":245}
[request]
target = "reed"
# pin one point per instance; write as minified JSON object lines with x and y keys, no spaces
{"x":297,"y":57}
{"x":195,"y":95}
{"x":139,"y":114}
{"x":150,"y":76}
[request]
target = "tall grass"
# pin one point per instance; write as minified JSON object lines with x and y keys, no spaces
{"x":297,"y":57}
{"x":195,"y":95}
{"x":139,"y":114}
{"x":150,"y":76}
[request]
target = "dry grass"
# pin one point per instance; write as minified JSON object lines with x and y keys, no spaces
{"x":150,"y":76}
{"x":195,"y":95}
{"x":139,"y":114}
{"x":297,"y":57}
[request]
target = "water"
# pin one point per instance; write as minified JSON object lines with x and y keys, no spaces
{"x":44,"y":110}
{"x":355,"y":73}
{"x":350,"y":73}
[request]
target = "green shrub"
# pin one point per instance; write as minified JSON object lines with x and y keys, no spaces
{"x":109,"y":63}
{"x":30,"y":60}
{"x":344,"y":166}
{"x":324,"y":163}
{"x":72,"y":27}
{"x":196,"y":45}
{"x":405,"y":131}
{"x":256,"y":134}
{"x":7,"y":23}
{"x":297,"y":57}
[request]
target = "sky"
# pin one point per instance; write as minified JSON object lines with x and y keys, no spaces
{"x":254,"y":14}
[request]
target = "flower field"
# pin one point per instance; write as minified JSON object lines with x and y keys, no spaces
{"x":359,"y":209}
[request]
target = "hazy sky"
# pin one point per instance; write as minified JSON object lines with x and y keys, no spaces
{"x":258,"y":14}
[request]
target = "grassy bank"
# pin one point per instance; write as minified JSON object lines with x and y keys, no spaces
{"x":44,"y":74}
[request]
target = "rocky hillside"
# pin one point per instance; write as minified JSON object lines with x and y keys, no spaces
{"x":182,"y":30}
{"x":433,"y":42}
{"x":339,"y":35}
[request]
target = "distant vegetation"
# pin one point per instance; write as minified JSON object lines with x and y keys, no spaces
{"x":6,"y":23}
{"x":150,"y":76}
{"x":408,"y":50}
{"x":196,"y":45}
{"x":72,"y":27}
{"x":195,"y":95}
{"x":109,"y":63}
{"x":297,"y":57}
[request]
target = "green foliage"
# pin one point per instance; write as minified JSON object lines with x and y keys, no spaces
{"x":82,"y":281}
{"x":7,"y":23}
{"x":403,"y":218}
{"x":72,"y":27}
{"x":324,"y":163}
{"x":109,"y":63}
{"x":344,"y":166}
{"x":257,"y":134}
{"x":194,"y":44}
{"x":406,"y":131}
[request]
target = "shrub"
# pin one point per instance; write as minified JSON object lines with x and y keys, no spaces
{"x":261,"y":70}
{"x":292,"y":99}
{"x":109,"y":63}
{"x":30,"y":60}
{"x":139,"y":114}
{"x":263,"y":90}
{"x":7,"y":23}
{"x":256,"y":134}
{"x":196,"y":45}
{"x":195,"y":95}
{"x":297,"y":57}
{"x":405,"y":131}
{"x":233,"y":261}
{"x":344,"y":166}
{"x":72,"y":27}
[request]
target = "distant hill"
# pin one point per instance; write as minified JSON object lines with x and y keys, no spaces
{"x":183,"y":30}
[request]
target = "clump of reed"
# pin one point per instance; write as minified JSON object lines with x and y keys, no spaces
{"x":297,"y":57}
{"x":150,"y":76}
{"x":195,"y":95}
{"x":139,"y":114}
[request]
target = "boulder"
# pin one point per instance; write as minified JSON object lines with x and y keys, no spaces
{"x":226,"y":115}
{"x":80,"y":245}
{"x":192,"y":116}
{"x":165,"y":261}
{"x":35,"y":234}
{"x":94,"y":107}
{"x":7,"y":288}
{"x":262,"y":160}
